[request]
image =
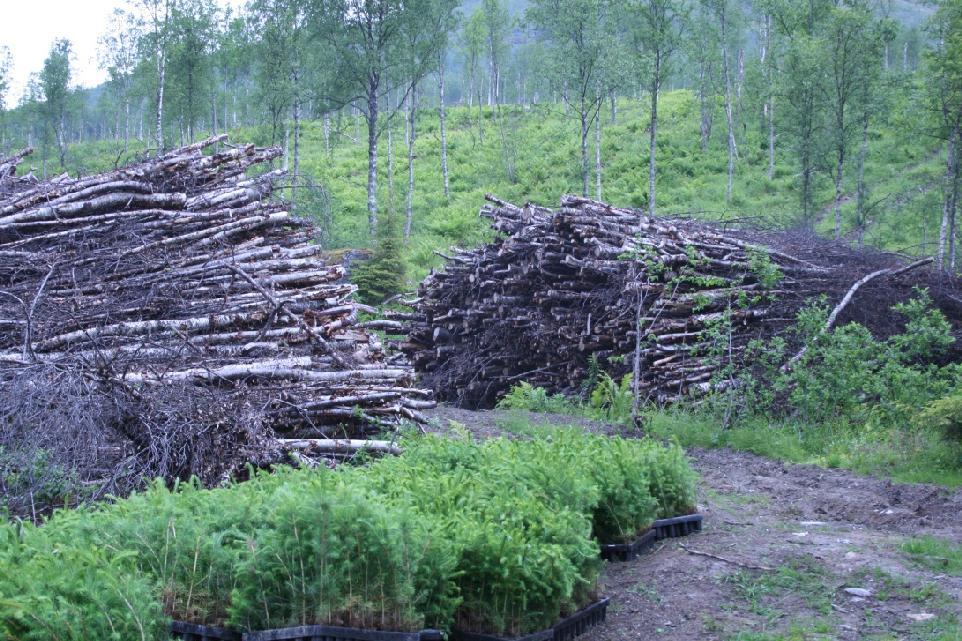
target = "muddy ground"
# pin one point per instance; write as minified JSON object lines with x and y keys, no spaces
{"x":791,"y":540}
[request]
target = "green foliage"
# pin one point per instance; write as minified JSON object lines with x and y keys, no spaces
{"x":944,"y":414}
{"x":30,"y":476}
{"x":499,"y":536}
{"x":611,"y":400}
{"x":763,"y":269}
{"x":525,"y":396}
{"x":383,"y":275}
{"x":72,"y":592}
{"x":936,"y":554}
{"x":330,"y":555}
{"x":849,"y":375}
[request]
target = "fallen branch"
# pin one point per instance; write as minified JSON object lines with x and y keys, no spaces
{"x":833,"y":317}
{"x":740,"y":564}
{"x":340,"y":446}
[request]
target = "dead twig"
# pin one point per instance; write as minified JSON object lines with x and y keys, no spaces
{"x":740,"y":564}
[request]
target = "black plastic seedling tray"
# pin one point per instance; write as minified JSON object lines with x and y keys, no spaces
{"x":565,"y":630}
{"x":338,"y":633}
{"x":579,"y":622}
{"x":629,"y":551}
{"x":194,"y":632}
{"x":677,"y":526}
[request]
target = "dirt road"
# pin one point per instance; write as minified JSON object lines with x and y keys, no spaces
{"x":833,"y":545}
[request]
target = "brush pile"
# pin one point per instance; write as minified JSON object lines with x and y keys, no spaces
{"x":180,"y":318}
{"x":558,"y":286}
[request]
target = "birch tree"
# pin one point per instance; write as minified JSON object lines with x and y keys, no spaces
{"x":55,"y":82}
{"x":119,"y":55}
{"x":158,"y":14}
{"x":378,"y":46}
{"x":943,"y":74}
{"x":655,"y":31}
{"x":580,"y":35}
{"x":6,"y":67}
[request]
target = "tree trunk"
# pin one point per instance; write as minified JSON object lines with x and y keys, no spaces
{"x":585,"y":124}
{"x":636,"y":359}
{"x":729,"y":109}
{"x":161,"y":79}
{"x":480,"y":116}
{"x":372,"y":107}
{"x":442,"y":116}
{"x":412,"y":136}
{"x":213,"y":114}
{"x":390,"y":169}
{"x":948,"y":209}
{"x":327,"y":133}
{"x":771,"y":136}
{"x":598,"y":151}
{"x":861,"y":216}
{"x":839,"y":168}
{"x":296,"y":113}
{"x":126,"y":116}
{"x":953,"y":206}
{"x":768,"y":62}
{"x":707,"y":105}
{"x":653,"y":138}
{"x":61,"y":135}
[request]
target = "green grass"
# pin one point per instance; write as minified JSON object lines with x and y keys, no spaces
{"x":905,"y":456}
{"x":544,"y":156}
{"x":936,"y":554}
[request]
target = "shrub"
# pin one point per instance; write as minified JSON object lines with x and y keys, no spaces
{"x":525,"y":396}
{"x":331,"y":555}
{"x":72,"y":593}
{"x":671,"y":480}
{"x":945,"y":414}
{"x":494,"y":536}
{"x":611,"y":400}
{"x":383,"y":275}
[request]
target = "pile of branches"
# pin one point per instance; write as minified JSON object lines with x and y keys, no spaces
{"x":558,"y":287}
{"x":172,"y":319}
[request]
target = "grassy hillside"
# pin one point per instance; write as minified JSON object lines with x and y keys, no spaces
{"x":540,"y":144}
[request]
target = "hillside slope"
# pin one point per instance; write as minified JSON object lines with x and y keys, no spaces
{"x":531,"y":153}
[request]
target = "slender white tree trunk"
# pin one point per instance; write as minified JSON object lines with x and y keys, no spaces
{"x":598,"y":152}
{"x":412,"y":136}
{"x":390,"y":169}
{"x":442,"y":116}
{"x":296,"y":113}
{"x":161,"y":80}
{"x":585,"y":123}
{"x":837,"y":205}
{"x":861,"y":215}
{"x":954,"y":195}
{"x":327,"y":133}
{"x":948,"y":208}
{"x":729,"y":108}
{"x":372,"y":112}
{"x":653,"y":138}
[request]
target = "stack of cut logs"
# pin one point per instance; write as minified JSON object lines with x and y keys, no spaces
{"x":558,"y":286}
{"x":181,"y":271}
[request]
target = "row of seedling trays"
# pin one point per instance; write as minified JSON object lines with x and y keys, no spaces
{"x":565,"y":630}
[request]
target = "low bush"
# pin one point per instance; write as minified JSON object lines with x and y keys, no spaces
{"x":499,"y":537}
{"x":72,"y":592}
{"x":525,"y":396}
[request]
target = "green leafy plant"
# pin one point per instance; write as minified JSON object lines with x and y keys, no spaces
{"x":525,"y":396}
{"x":612,"y":400}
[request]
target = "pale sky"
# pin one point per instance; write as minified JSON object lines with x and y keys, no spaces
{"x":29,"y":29}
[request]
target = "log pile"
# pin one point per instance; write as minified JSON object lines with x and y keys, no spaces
{"x":558,"y":286}
{"x":179,"y":276}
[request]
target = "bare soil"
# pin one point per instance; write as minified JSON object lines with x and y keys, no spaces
{"x":816,"y":532}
